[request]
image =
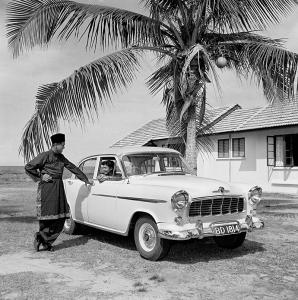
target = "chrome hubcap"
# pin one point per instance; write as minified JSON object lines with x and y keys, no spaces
{"x":67,"y":223}
{"x":147,"y":237}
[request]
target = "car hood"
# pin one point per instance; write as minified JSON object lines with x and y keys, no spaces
{"x":194,"y":185}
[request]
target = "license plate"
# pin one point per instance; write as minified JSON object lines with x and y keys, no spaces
{"x":225,"y":229}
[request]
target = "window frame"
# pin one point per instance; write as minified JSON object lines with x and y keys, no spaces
{"x":238,"y":144}
{"x":271,"y":152}
{"x":83,"y":161}
{"x":223,"y":148}
{"x":106,"y":157}
{"x":284,"y":153}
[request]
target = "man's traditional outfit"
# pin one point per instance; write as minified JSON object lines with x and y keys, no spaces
{"x":51,"y":204}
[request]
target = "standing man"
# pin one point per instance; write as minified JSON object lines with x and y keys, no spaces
{"x":52,"y":208}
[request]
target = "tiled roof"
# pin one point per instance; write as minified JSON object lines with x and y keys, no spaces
{"x":284,"y":114}
{"x":278,"y":115}
{"x":156,"y":129}
{"x":224,"y":119}
{"x":234,"y":120}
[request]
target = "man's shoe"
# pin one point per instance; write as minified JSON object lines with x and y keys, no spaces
{"x":49,"y":247}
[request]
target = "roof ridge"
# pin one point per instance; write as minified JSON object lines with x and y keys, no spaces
{"x":222,"y":115}
{"x":252,"y":116}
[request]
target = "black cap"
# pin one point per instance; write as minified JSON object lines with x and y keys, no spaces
{"x":58,"y":138}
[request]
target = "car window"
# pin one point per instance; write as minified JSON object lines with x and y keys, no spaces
{"x":152,"y":163}
{"x":88,"y":167}
{"x":172,"y":164}
{"x":116,"y":170}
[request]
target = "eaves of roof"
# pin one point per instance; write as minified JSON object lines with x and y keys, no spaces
{"x":156,"y":129}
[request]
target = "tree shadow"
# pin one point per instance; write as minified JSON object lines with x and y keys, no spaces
{"x":20,"y":219}
{"x":9,"y":209}
{"x":206,"y":250}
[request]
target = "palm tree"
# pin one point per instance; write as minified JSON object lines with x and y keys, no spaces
{"x":190,"y":39}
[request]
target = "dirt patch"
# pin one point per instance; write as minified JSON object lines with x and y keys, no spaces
{"x":71,"y":274}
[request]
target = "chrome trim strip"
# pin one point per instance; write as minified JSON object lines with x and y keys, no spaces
{"x":217,"y":197}
{"x":133,"y":198}
{"x":103,"y":195}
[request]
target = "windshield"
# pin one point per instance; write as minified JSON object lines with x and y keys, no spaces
{"x":152,"y":163}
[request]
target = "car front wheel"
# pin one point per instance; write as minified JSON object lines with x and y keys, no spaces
{"x":230,"y":241}
{"x":148,"y":243}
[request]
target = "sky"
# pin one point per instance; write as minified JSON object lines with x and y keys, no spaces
{"x":129,"y":110}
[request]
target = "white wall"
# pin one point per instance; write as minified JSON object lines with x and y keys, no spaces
{"x":253,"y":167}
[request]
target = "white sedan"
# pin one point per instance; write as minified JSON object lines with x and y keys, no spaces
{"x":151,"y":192}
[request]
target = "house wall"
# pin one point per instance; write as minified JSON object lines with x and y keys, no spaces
{"x":251,"y":169}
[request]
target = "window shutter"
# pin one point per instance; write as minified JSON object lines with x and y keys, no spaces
{"x":270,"y":151}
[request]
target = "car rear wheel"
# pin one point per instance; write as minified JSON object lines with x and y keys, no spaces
{"x":148,"y":243}
{"x":70,"y":226}
{"x":230,"y":241}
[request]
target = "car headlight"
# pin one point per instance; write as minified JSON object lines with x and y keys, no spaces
{"x":254,"y":195}
{"x":179,"y":200}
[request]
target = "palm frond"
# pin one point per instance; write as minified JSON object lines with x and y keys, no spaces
{"x":275,"y":68}
{"x":272,"y":66}
{"x":235,"y":15}
{"x":36,"y":22}
{"x":78,"y":97}
{"x":198,"y":59}
{"x":158,"y":8}
{"x":159,"y":79}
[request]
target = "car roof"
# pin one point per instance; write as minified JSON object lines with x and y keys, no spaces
{"x":134,"y":150}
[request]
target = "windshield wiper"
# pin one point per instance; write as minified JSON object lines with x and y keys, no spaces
{"x":172,"y":173}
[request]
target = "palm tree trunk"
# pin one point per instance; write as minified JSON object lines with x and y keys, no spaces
{"x":195,"y":119}
{"x":191,"y":149}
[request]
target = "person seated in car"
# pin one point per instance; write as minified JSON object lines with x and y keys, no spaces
{"x":107,"y":172}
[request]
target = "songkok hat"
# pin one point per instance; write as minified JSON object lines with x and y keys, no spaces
{"x":58,"y":138}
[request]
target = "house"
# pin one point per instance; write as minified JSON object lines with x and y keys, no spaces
{"x":251,"y":145}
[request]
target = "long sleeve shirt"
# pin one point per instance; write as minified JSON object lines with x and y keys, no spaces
{"x":52,"y":163}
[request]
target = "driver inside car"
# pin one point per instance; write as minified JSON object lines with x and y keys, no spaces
{"x":107,"y":172}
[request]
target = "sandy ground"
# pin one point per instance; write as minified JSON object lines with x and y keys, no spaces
{"x":99,"y":265}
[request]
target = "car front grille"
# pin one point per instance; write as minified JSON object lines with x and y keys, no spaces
{"x":216,"y":206}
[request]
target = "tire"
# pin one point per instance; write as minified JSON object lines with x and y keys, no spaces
{"x":70,"y":226}
{"x":230,"y":241}
{"x":148,"y":243}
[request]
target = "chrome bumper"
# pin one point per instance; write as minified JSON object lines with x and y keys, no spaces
{"x":200,"y":230}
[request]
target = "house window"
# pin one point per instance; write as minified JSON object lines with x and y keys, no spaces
{"x":238,"y":147}
{"x":282,"y":150}
{"x":223,"y":148}
{"x":270,"y":151}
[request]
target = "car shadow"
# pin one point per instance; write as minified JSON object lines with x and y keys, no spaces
{"x":206,"y":250}
{"x":106,"y":237}
{"x":181,"y":252}
{"x":80,"y":240}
